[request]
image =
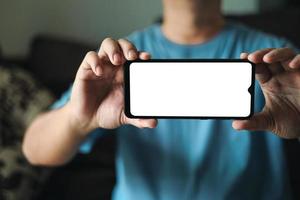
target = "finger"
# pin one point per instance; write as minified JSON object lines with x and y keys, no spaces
{"x":262,"y":73}
{"x":244,"y":56}
{"x":120,"y":74}
{"x":257,"y":56}
{"x":144,"y":55}
{"x":143,"y":123}
{"x":278,"y":55}
{"x":258,"y":122}
{"x":92,"y":62}
{"x":140,"y":123}
{"x":112,"y":50}
{"x":295,"y":62}
{"x":129,"y":50}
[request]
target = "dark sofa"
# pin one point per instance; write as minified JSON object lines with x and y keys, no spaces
{"x":54,"y":61}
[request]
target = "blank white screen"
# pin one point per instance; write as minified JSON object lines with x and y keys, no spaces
{"x":208,"y":89}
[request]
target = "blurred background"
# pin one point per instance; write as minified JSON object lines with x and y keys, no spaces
{"x":41,"y":45}
{"x":92,"y":20}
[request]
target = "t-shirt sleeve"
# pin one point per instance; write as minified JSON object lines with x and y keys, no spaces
{"x":87,"y":145}
{"x":62,"y":100}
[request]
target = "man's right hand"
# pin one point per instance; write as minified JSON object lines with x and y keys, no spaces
{"x":97,"y":95}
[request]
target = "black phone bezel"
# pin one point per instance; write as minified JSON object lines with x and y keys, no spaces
{"x":127,"y":89}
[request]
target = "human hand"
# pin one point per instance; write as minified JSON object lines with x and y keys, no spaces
{"x":97,"y":95}
{"x":278,"y":72}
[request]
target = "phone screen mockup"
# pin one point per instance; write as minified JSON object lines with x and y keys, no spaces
{"x":189,"y":88}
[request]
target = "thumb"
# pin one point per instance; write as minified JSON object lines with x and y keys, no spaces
{"x":140,"y":123}
{"x":258,"y":122}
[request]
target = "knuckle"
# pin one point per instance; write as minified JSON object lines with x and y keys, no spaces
{"x":126,"y":43}
{"x":90,"y":55}
{"x":122,"y":40}
{"x":107,"y":41}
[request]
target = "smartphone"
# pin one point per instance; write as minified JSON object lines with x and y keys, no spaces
{"x":189,"y":88}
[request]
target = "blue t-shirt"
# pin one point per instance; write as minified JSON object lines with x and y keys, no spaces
{"x":199,"y":159}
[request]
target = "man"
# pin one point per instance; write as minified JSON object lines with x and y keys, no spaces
{"x":181,"y":159}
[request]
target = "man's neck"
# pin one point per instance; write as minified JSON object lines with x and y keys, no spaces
{"x":187,"y":23}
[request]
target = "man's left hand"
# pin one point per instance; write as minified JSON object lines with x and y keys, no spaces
{"x":278,"y":72}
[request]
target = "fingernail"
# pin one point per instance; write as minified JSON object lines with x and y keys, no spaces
{"x":131,"y":54}
{"x":117,"y":58}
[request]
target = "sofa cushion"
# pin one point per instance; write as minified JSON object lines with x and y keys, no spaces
{"x":54,"y":61}
{"x":1,"y":57}
{"x":21,"y":99}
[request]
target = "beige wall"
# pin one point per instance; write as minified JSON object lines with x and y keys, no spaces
{"x":86,"y":20}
